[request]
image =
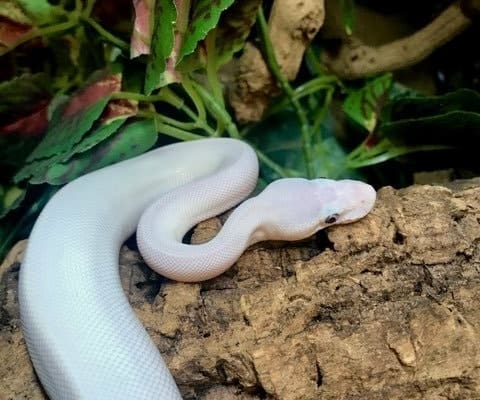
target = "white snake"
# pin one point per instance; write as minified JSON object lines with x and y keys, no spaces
{"x":82,"y":335}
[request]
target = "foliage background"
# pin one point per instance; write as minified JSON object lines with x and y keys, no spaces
{"x":84,"y":84}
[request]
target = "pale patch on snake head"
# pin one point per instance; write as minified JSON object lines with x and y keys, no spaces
{"x":344,"y":201}
{"x":297,"y":208}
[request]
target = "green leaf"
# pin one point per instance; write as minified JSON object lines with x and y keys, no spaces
{"x":455,"y":128}
{"x":14,"y":150}
{"x":205,"y":17}
{"x":41,"y":11}
{"x":348,"y":15}
{"x":40,"y":168}
{"x":20,"y":95}
{"x":98,"y":135}
{"x":363,"y":106}
{"x":68,"y":131}
{"x":451,"y":119}
{"x":234,"y":27}
{"x":413,"y":124}
{"x":161,"y":45}
{"x":279,"y":138}
{"x":10,"y":198}
{"x":16,"y":225}
{"x":130,"y":141}
{"x":414,"y":107}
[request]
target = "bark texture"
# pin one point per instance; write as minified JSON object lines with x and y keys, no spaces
{"x":292,"y":25}
{"x":386,"y":308}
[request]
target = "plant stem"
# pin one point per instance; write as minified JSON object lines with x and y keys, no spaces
{"x":106,"y":34}
{"x":217,"y":110}
{"x":212,"y":68}
{"x":89,"y":7}
{"x":384,"y":151}
{"x":78,"y":6}
{"x":323,"y":110}
{"x":312,"y":62}
{"x":310,"y":87}
{"x":275,"y":70}
{"x":34,"y":33}
{"x":212,"y":77}
{"x":197,"y":101}
{"x":221,"y":114}
{"x":272,"y":164}
{"x":133,"y":96}
{"x":187,"y":126}
{"x":165,"y":95}
{"x":176,"y":132}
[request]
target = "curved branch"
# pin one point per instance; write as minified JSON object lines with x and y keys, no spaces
{"x":356,"y":60}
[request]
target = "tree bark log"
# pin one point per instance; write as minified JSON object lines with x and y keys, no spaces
{"x":357,"y":60}
{"x":386,"y":308}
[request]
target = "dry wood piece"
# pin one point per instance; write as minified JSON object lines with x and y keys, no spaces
{"x":292,"y":25}
{"x":356,"y":60}
{"x":386,"y":308}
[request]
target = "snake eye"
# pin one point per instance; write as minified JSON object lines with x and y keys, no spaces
{"x":331,"y":219}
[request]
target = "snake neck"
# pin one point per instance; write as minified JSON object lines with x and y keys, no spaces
{"x":167,"y":255}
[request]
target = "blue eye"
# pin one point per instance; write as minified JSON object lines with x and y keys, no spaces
{"x":331,"y":219}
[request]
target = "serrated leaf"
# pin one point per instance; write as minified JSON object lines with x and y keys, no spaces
{"x":234,"y":27}
{"x":59,"y":142}
{"x":71,"y":120}
{"x":205,"y":17}
{"x":98,"y":135}
{"x":130,"y":141}
{"x":363,"y":106}
{"x":161,"y":45}
{"x":10,"y":198}
{"x":69,"y":131}
{"x":171,"y":73}
{"x":38,"y":169}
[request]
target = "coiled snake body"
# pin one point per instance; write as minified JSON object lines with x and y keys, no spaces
{"x":82,"y":335}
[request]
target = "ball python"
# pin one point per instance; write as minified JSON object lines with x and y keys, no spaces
{"x":82,"y":335}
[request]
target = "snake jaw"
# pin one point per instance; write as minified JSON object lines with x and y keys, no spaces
{"x":296,"y":208}
{"x":359,"y":199}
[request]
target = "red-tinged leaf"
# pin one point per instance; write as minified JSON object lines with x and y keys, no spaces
{"x":118,"y":108}
{"x":11,"y":32}
{"x":166,"y":37}
{"x":22,"y":96}
{"x":205,"y":16}
{"x":142,"y":28}
{"x":129,"y":141}
{"x":13,"y":23}
{"x":94,"y":92}
{"x":171,"y":74}
{"x":34,"y":124}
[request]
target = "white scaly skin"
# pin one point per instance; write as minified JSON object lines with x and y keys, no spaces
{"x":82,"y":335}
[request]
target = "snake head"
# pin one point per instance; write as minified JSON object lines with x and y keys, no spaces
{"x":297,"y":208}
